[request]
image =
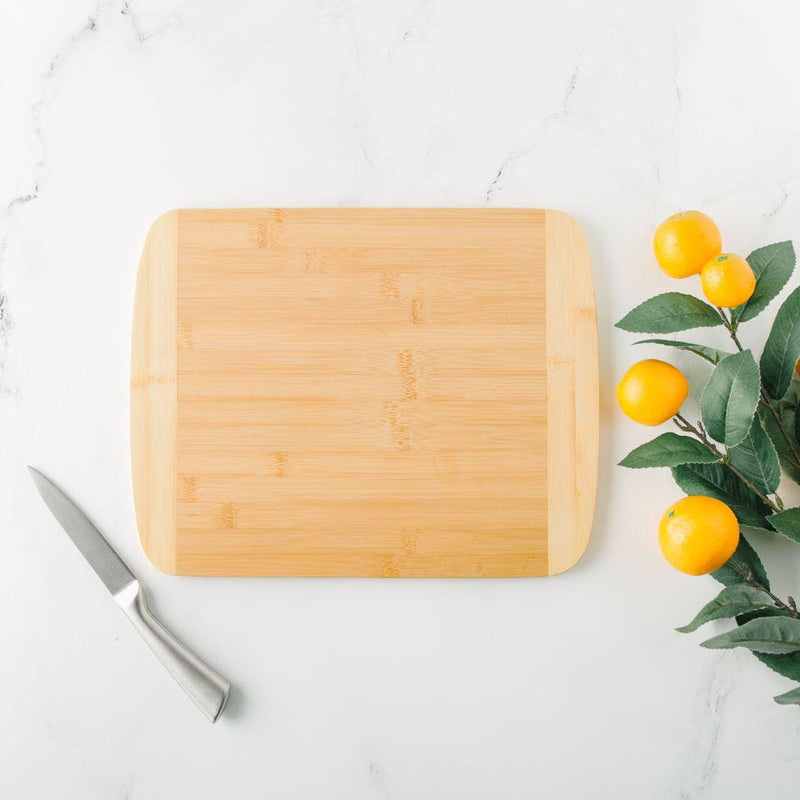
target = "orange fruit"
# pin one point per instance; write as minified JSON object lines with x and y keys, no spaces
{"x":685,"y":241}
{"x":652,"y":391}
{"x":698,"y":534}
{"x":728,"y":281}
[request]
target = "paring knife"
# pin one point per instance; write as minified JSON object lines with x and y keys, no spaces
{"x":199,"y":681}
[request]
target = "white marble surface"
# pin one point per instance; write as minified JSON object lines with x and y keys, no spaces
{"x":619,"y":112}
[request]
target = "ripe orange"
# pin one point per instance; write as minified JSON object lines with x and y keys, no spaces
{"x":698,"y":534}
{"x":685,"y":241}
{"x":728,"y":281}
{"x":652,"y":391}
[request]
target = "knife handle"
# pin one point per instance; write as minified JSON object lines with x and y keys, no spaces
{"x":208,"y":690}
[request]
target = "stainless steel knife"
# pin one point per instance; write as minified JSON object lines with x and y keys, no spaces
{"x":208,"y":690}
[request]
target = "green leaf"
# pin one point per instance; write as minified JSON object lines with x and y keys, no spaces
{"x":773,"y":266}
{"x":729,"y":401}
{"x":786,"y":665}
{"x":756,"y":458}
{"x":771,"y":611}
{"x":670,"y":312}
{"x":784,"y":453}
{"x":746,"y":557}
{"x":789,"y":698}
{"x":788,"y":523}
{"x":716,"y":480}
{"x":732,"y":600}
{"x":710,"y":354}
{"x":791,"y":430}
{"x":782,"y":348}
{"x":668,"y":450}
{"x":776,"y":635}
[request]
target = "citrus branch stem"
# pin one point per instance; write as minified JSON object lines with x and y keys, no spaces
{"x":765,"y":401}
{"x":750,"y":579}
{"x":765,"y":398}
{"x":729,"y":326}
{"x":686,"y":426}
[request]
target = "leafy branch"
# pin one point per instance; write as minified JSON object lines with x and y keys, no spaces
{"x":790,"y":607}
{"x":683,"y":424}
{"x":732,"y":326}
{"x":749,"y":429}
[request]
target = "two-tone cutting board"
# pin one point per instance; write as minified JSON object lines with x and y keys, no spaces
{"x":374,"y":392}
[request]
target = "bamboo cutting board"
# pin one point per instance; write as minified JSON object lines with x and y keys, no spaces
{"x":364,"y":392}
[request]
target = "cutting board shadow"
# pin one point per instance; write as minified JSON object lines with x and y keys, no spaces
{"x":364,"y":392}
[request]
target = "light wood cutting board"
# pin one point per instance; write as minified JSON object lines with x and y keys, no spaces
{"x":364,"y":392}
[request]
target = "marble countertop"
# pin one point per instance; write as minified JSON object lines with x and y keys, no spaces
{"x":618,"y":112}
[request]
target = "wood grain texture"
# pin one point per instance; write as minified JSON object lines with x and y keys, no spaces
{"x":365,"y":392}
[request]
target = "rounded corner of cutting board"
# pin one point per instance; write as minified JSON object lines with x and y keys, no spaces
{"x":573,"y":423}
{"x":154,"y":393}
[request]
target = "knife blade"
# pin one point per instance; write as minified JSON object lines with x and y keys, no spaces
{"x":102,"y":557}
{"x":208,"y":689}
